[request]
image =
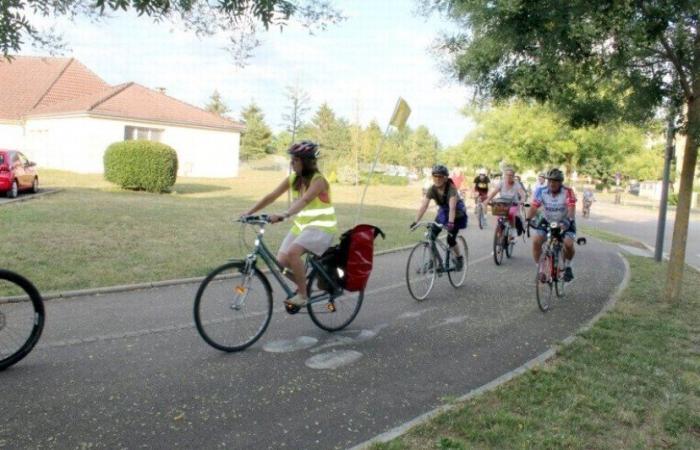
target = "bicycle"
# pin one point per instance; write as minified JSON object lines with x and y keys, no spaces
{"x":480,"y":213}
{"x":586,"y":211}
{"x":236,"y":297}
{"x":501,"y":236}
{"x":432,"y":257}
{"x":551,"y":267}
{"x":22,"y":317}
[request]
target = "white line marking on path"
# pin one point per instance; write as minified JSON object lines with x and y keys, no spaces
{"x":290,"y":345}
{"x":449,"y":321}
{"x":333,"y":360}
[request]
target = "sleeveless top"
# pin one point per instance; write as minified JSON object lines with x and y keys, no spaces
{"x":319,"y":213}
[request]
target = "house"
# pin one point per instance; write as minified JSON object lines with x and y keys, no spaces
{"x":63,"y":116}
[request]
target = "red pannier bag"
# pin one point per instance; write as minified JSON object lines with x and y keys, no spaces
{"x":356,"y":252}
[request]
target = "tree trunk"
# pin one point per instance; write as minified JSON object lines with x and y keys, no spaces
{"x":674,"y":276}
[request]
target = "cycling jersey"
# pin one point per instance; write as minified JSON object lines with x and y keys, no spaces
{"x":554,"y":206}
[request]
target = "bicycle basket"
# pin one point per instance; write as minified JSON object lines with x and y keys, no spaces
{"x":500,"y":209}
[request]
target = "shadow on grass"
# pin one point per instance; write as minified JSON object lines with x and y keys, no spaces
{"x":197,"y":188}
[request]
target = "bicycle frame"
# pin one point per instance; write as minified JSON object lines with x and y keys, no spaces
{"x":443,"y":267}
{"x":276,"y":268}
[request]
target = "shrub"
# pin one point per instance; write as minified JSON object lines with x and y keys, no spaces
{"x":141,"y":165}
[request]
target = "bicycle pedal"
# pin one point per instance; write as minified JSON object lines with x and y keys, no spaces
{"x":330,"y":307}
{"x":291,"y":309}
{"x":240,"y":290}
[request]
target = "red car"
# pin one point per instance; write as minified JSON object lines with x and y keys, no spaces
{"x":17,"y":173}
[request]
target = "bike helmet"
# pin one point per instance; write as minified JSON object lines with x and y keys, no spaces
{"x":441,"y":170}
{"x":555,"y":175}
{"x":304,"y":149}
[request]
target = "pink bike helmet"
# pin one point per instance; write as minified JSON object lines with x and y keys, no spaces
{"x":304,"y":149}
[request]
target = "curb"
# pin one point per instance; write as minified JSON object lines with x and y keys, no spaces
{"x":538,"y":360}
{"x":30,"y":197}
{"x":157,"y":284}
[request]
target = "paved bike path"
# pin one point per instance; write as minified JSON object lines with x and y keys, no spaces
{"x":129,"y":370}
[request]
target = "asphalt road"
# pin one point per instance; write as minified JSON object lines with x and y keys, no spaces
{"x":129,"y":370}
{"x":641,"y":223}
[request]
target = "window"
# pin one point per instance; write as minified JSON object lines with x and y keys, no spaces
{"x":142,"y":133}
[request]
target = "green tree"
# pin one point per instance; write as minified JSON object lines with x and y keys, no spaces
{"x":596,"y":61}
{"x":240,"y":20}
{"x":422,"y":149}
{"x":332,"y":134}
{"x":257,"y":138}
{"x":216,"y":104}
{"x":602,"y":150}
{"x":646,"y":165}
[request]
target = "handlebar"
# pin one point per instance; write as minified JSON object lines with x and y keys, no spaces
{"x":426,"y":224}
{"x":261,"y":219}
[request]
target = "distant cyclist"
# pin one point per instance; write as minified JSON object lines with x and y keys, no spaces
{"x":541,"y":183}
{"x":451,"y":211}
{"x":481,"y":186}
{"x":315,"y":225}
{"x":588,"y":199}
{"x":558,"y":205}
{"x":512,"y":191}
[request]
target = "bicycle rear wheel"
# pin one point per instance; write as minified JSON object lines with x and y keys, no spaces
{"x":335,"y":313}
{"x":480,"y":216}
{"x":420,"y":271}
{"x":543,"y":283}
{"x":22,"y":317}
{"x":457,"y":277}
{"x":498,"y":245}
{"x":232,"y":309}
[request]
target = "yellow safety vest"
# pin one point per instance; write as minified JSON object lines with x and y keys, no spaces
{"x":317,"y":213}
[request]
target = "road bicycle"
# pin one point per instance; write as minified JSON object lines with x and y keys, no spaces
{"x":502,"y":244}
{"x":431,"y":258}
{"x":551,"y":267}
{"x":233,"y":305}
{"x":21,"y":317}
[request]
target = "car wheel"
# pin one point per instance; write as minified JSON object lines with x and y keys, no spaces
{"x":14,"y":190}
{"x":35,"y":185}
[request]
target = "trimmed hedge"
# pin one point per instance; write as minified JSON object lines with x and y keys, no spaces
{"x":141,"y":165}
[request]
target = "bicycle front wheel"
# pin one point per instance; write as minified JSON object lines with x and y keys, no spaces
{"x":455,"y":276}
{"x":232,"y":309}
{"x":333,"y":313}
{"x":21,"y":317}
{"x":498,"y":246}
{"x":543,"y":282}
{"x":507,"y":243}
{"x":559,"y":283}
{"x":480,"y":216}
{"x":420,"y":271}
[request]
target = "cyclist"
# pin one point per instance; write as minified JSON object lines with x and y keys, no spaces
{"x":481,"y":186}
{"x":510,"y":190}
{"x":315,"y":224}
{"x":451,"y":211}
{"x":588,"y":199}
{"x":541,"y":183}
{"x":558,"y":203}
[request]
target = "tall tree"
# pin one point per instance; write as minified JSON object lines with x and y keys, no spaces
{"x":331,"y":133}
{"x":296,"y":110}
{"x":216,"y":104}
{"x":595,"y":60}
{"x":240,"y":20}
{"x":256,"y":140}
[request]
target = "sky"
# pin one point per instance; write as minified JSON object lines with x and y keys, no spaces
{"x":359,"y":66}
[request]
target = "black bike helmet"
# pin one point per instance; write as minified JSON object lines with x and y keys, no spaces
{"x":304,"y":149}
{"x":441,"y":170}
{"x":555,"y":175}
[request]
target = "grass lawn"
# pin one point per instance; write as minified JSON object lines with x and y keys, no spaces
{"x":631,"y":381}
{"x":608,"y":236}
{"x":93,"y":234}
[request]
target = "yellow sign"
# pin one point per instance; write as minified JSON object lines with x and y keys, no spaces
{"x":401,"y":113}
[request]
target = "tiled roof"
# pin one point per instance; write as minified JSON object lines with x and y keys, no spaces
{"x":31,"y":87}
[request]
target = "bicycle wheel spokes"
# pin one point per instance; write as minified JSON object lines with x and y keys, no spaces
{"x":420,"y":271}
{"x":333,"y":314}
{"x":543,"y":283}
{"x":455,"y":276}
{"x":232,"y":310}
{"x":21,"y":318}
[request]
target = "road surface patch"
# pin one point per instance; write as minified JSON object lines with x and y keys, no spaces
{"x":333,"y":360}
